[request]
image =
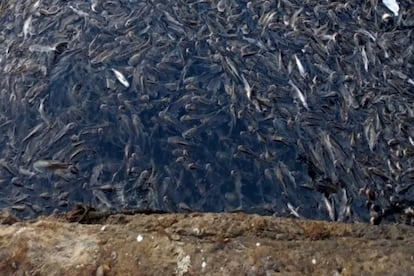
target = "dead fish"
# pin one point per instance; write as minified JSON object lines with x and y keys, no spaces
{"x":364,"y":58}
{"x":247,"y":87}
{"x":43,"y":112}
{"x":300,"y":67}
{"x":120,"y":77}
{"x":102,"y":198}
{"x":27,"y":27}
{"x":299,"y":94}
{"x":392,"y":5}
{"x":330,"y":207}
{"x":293,"y":210}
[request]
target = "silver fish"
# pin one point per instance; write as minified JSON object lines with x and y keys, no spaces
{"x":120,"y":77}
{"x":42,"y":166}
{"x":300,"y":95}
{"x":300,"y":67}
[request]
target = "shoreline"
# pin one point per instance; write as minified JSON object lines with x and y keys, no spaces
{"x":202,"y":244}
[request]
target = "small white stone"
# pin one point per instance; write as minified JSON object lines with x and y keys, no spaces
{"x":313,"y":261}
{"x":203,"y":264}
{"x":257,"y":244}
{"x":140,"y":238}
{"x":196,"y":231}
{"x":103,"y":228}
{"x":21,"y":230}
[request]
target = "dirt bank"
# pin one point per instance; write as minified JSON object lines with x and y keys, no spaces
{"x":201,"y":244}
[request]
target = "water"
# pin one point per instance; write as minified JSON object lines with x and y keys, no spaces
{"x":278,"y":108}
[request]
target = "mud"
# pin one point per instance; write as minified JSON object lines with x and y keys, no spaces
{"x":202,"y":244}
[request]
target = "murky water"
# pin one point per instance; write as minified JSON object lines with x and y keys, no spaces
{"x":284,"y":107}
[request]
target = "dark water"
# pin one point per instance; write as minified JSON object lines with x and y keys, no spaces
{"x":284,"y":107}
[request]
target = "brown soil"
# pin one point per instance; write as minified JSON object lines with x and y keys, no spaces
{"x":202,"y":244}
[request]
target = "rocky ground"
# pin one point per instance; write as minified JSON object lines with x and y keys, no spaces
{"x":200,"y":244}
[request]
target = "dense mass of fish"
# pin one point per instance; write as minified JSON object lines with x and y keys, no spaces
{"x":299,"y":108}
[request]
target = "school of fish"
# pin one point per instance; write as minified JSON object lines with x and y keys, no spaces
{"x":286,"y":108}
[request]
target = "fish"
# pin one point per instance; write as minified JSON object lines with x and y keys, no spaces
{"x":247,"y":87}
{"x":293,"y":210}
{"x":300,"y":95}
{"x":120,"y":77}
{"x":330,"y":207}
{"x":224,"y":104}
{"x":79,"y":12}
{"x":42,"y":112}
{"x":392,"y":5}
{"x":42,"y":166}
{"x":61,"y":133}
{"x":300,"y":66}
{"x":102,"y":199}
{"x":35,"y":131}
{"x":27,"y":27}
{"x":364,"y":58}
